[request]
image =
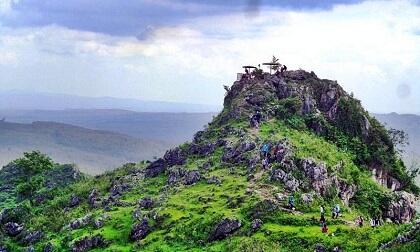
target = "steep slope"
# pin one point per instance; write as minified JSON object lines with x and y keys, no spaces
{"x":214,"y":194}
{"x":93,"y":150}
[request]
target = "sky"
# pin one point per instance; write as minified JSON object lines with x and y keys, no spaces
{"x":185,"y":51}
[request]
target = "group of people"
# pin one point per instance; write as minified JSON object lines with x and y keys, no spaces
{"x":336,"y":212}
{"x":375,"y":222}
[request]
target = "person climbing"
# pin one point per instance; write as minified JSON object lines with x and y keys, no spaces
{"x":324,"y":228}
{"x":258,"y":116}
{"x":377,"y":221}
{"x":265,"y":150}
{"x":265,"y":163}
{"x":283,"y":68}
{"x":322,"y":219}
{"x":360,"y":221}
{"x":333,"y":213}
{"x":372,"y":222}
{"x":292,"y":202}
{"x":337,"y":210}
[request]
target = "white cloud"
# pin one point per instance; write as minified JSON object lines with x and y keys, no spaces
{"x":369,"y":52}
{"x":6,"y":5}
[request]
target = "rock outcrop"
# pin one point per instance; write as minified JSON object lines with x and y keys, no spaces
{"x":401,"y":208}
{"x":89,"y":243}
{"x":140,"y":230}
{"x":224,"y":228}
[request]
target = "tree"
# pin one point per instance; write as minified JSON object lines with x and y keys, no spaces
{"x":399,"y":138}
{"x":275,"y":61}
{"x":33,"y":165}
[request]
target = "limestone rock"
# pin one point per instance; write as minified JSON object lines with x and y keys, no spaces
{"x":140,"y":230}
{"x":224,"y":228}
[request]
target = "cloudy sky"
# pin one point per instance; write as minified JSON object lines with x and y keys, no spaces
{"x":185,"y":50}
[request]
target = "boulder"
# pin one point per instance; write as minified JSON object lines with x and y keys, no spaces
{"x":214,"y":180}
{"x":74,"y":200}
{"x":13,"y":228}
{"x":89,"y":243}
{"x":256,"y":224}
{"x":81,"y":222}
{"x":139,"y":230}
{"x":49,"y":247}
{"x":175,"y":175}
{"x":32,"y":237}
{"x":402,"y":207}
{"x":155,"y":168}
{"x":146,"y":203}
{"x":175,"y":156}
{"x":290,"y":182}
{"x":192,"y":177}
{"x":201,"y":149}
{"x":234,"y":155}
{"x":320,"y":248}
{"x":93,"y":198}
{"x":307,"y":198}
{"x":224,"y":228}
{"x":118,"y":188}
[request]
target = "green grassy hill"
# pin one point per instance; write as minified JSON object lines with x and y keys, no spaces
{"x":214,"y":195}
{"x":94,"y":151}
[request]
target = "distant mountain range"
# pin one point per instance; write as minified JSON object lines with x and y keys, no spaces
{"x":94,"y":151}
{"x":17,"y":100}
{"x":174,"y":128}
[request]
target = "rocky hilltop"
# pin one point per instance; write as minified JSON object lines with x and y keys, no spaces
{"x":253,"y":180}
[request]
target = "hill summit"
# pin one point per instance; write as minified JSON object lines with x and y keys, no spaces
{"x":292,"y":163}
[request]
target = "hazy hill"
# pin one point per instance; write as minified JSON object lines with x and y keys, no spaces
{"x":410,"y":124}
{"x":93,"y":151}
{"x":175,"y":128}
{"x":52,"y":101}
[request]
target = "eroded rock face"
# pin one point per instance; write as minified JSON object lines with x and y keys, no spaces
{"x":345,"y":191}
{"x":48,"y":248}
{"x":317,"y":173}
{"x":74,"y":200}
{"x":89,"y":243}
{"x":81,"y":222}
{"x":155,"y":168}
{"x":32,"y":237}
{"x":384,"y":179}
{"x":140,"y":230}
{"x":201,"y":149}
{"x":175,"y":156}
{"x":93,"y":198}
{"x":225,"y":228}
{"x":176,"y":175}
{"x":234,"y":154}
{"x":146,"y":203}
{"x":12,"y":228}
{"x":192,"y":177}
{"x":290,"y":182}
{"x":256,"y":224}
{"x":402,"y":208}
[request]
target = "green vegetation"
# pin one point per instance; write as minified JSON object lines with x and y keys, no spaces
{"x":231,"y":186}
